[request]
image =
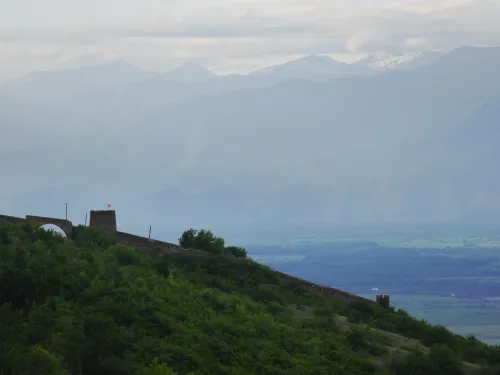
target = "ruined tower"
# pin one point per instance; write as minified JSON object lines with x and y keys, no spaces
{"x":105,"y":219}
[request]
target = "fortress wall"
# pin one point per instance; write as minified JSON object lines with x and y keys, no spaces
{"x":145,"y":244}
{"x":12,"y":220}
{"x":326,"y":290}
{"x":107,"y":221}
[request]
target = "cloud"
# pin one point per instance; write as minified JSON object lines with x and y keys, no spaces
{"x":226,"y":33}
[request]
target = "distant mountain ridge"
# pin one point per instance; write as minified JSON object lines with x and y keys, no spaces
{"x":312,"y":66}
{"x":48,"y":84}
{"x":402,"y":145}
{"x":118,"y":74}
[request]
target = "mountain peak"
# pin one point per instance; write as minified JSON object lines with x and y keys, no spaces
{"x":308,"y":65}
{"x":385,"y":60}
{"x":190,"y":72}
{"x":318,"y":58}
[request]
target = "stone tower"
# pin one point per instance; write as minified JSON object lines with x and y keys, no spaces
{"x":105,"y":219}
{"x":383,"y":300}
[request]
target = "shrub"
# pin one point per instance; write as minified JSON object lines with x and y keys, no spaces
{"x":354,"y":317}
{"x":356,"y":339}
{"x":364,"y":308}
{"x":377,"y":350}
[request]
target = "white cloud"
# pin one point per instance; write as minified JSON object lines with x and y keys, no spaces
{"x":227,"y":34}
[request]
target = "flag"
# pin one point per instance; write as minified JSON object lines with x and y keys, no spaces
{"x":109,"y":206}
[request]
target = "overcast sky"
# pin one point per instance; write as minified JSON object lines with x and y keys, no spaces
{"x":231,"y":35}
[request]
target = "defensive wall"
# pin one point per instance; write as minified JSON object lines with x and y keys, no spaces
{"x":107,"y":221}
{"x":145,"y":244}
{"x":327,"y":291}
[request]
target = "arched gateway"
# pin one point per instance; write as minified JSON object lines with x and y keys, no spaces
{"x":37,"y":221}
{"x":65,"y":225}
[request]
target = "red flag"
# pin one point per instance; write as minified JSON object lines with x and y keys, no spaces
{"x":109,"y":206}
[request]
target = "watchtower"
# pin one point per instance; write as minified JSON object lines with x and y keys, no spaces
{"x":383,"y":300}
{"x":105,"y":219}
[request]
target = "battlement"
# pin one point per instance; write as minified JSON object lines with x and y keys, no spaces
{"x":383,"y":300}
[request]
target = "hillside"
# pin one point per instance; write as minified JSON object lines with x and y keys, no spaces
{"x":90,"y":306}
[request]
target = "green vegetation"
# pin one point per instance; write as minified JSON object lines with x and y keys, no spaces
{"x":206,"y":240}
{"x":91,"y":306}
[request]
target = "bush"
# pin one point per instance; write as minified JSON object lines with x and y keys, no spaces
{"x":325,"y":310}
{"x":438,"y":335}
{"x":207,"y":241}
{"x":377,"y":350}
{"x":354,"y":317}
{"x":237,"y":252}
{"x":92,"y":237}
{"x":445,"y":360}
{"x":274,"y":308}
{"x":415,"y":364}
{"x":364,"y":308}
{"x":440,"y":361}
{"x":202,"y":240}
{"x":495,"y":370}
{"x":356,"y":339}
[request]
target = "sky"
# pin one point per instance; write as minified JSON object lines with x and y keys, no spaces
{"x":231,"y":36}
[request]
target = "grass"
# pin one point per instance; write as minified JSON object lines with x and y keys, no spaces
{"x":382,"y":347}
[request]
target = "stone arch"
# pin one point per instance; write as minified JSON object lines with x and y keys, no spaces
{"x":65,"y":225}
{"x":51,"y":227}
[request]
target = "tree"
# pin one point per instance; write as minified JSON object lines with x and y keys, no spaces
{"x":206,"y":240}
{"x":157,"y":368}
{"x":237,"y":252}
{"x":415,"y":364}
{"x":444,"y":359}
{"x":187,"y":239}
{"x":202,"y":240}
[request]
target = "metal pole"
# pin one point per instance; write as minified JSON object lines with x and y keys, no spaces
{"x":66,"y":211}
{"x":150,"y":232}
{"x":86,"y":213}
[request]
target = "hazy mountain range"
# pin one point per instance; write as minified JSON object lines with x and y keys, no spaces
{"x":386,"y":139}
{"x":120,"y":76}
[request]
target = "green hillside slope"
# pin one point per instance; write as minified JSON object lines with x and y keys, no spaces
{"x":90,"y":306}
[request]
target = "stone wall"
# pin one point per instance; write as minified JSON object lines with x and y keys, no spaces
{"x":11,"y":220}
{"x":326,"y":291}
{"x":145,"y":244}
